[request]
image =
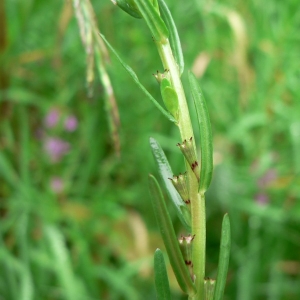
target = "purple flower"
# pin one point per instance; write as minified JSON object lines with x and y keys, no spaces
{"x":262,"y":199}
{"x":51,"y":118}
{"x":267,"y":178}
{"x":56,"y":148}
{"x":71,"y":123}
{"x":56,"y":184}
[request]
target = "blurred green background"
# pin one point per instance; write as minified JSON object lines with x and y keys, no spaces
{"x":76,"y":218}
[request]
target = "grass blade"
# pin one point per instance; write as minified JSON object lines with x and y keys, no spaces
{"x":174,"y":37}
{"x":223,"y":259}
{"x":205,"y":134}
{"x":166,"y":173}
{"x":169,"y":237}
{"x":136,"y":80}
{"x":161,"y":277}
{"x":155,"y":23}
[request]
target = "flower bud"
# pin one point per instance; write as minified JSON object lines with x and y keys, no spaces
{"x":209,"y":288}
{"x":179,"y":182}
{"x":185,"y":244}
{"x":160,"y":76}
{"x":188,"y":150}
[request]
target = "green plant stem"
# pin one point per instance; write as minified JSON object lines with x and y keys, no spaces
{"x":197,"y":200}
{"x":167,"y":58}
{"x":199,"y":229}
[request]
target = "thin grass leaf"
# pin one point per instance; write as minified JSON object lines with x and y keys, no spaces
{"x":169,"y":237}
{"x":7,"y":171}
{"x":136,"y":80}
{"x":223,"y":259}
{"x":161,"y":277}
{"x":155,"y":23}
{"x":205,"y":134}
{"x":117,"y":282}
{"x":166,"y":173}
{"x":73,"y":289}
{"x":174,"y":37}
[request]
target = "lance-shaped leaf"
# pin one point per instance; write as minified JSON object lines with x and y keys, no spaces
{"x":130,"y":7}
{"x":223,"y":259}
{"x":174,"y":37}
{"x":169,"y":237}
{"x":136,"y":80}
{"x":155,"y":23}
{"x":161,"y":277}
{"x":166,"y":173}
{"x":205,"y":134}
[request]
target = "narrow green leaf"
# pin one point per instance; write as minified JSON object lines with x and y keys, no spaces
{"x":136,"y":80}
{"x":169,"y":237}
{"x":130,"y":7}
{"x":161,"y":277}
{"x":223,"y":259}
{"x":174,"y":37}
{"x":205,"y":134}
{"x":7,"y":171}
{"x":165,"y":172}
{"x":154,"y":21}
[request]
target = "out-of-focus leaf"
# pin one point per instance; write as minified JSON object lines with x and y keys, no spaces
{"x":161,"y":277}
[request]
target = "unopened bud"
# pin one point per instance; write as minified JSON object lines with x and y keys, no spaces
{"x":185,"y":244}
{"x":209,"y":288}
{"x":180,"y":184}
{"x":188,"y":150}
{"x":160,"y":76}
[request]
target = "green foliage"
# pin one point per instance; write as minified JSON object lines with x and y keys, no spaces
{"x":223,"y":259}
{"x":161,"y":277}
{"x":174,"y":37}
{"x":205,"y":135}
{"x":169,"y":237}
{"x":166,"y":174}
{"x":245,"y":57}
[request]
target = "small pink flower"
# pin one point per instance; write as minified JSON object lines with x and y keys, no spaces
{"x":262,"y":199}
{"x":71,"y":123}
{"x":267,"y":178}
{"x":56,"y":148}
{"x":52,"y":118}
{"x":56,"y":184}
